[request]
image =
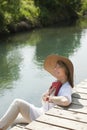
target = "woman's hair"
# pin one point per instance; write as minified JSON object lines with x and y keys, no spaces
{"x":67,"y":72}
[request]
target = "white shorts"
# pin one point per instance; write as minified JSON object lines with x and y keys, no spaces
{"x":35,"y":112}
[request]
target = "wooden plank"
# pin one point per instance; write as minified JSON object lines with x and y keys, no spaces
{"x":63,"y":123}
{"x":79,"y":95}
{"x":17,"y":127}
{"x":76,"y":116}
{"x":75,"y":108}
{"x":79,"y":101}
{"x":78,"y":108}
{"x":82,"y":84}
{"x":81,"y":90}
{"x":42,"y":126}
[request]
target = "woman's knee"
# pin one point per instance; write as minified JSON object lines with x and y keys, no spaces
{"x":20,"y":103}
{"x":16,"y":102}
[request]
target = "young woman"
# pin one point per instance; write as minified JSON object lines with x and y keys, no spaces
{"x":58,"y":94}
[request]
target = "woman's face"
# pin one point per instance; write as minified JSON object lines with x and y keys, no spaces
{"x":60,"y":73}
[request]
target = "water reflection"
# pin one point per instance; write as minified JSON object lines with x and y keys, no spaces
{"x":47,"y":41}
{"x":59,"y":41}
{"x":10,"y":60}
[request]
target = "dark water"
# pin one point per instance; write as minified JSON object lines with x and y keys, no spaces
{"x":22,"y":56}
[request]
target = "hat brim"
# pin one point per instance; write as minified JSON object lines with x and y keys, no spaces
{"x":51,"y":61}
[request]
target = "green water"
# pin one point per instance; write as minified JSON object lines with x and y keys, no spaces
{"x":22,"y":56}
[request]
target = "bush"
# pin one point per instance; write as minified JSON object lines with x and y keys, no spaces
{"x":39,"y":12}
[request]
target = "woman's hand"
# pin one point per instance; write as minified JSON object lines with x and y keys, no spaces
{"x":45,"y":96}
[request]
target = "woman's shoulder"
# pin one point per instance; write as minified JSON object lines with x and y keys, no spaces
{"x":65,"y":89}
{"x":66,"y":84}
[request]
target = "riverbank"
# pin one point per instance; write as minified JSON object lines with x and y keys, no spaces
{"x":26,"y":26}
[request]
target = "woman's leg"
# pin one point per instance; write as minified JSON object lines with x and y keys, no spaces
{"x":19,"y":120}
{"x":17,"y":106}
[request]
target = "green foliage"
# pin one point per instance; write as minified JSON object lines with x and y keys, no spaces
{"x":44,"y":12}
{"x":29,"y":11}
{"x":54,"y":11}
{"x":84,"y":6}
{"x":12,"y":11}
{"x":8,"y":12}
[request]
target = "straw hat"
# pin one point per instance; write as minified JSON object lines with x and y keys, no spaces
{"x":50,"y":64}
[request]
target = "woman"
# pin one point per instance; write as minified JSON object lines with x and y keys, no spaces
{"x":58,"y":94}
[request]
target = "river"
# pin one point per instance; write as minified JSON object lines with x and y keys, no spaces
{"x":22,"y":56}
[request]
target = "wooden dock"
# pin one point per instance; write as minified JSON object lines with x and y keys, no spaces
{"x":73,"y":117}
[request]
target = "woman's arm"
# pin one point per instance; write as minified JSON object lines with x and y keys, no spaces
{"x":59,"y":100}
